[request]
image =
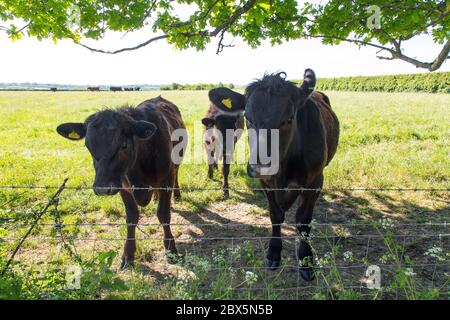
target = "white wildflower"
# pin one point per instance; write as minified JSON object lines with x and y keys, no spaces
{"x":435,"y":252}
{"x":384,"y":258}
{"x":325,"y":260}
{"x":250,"y":277}
{"x":386,"y":223}
{"x":231,"y":270}
{"x":204,"y":265}
{"x":348,"y":256}
{"x":409,"y":272}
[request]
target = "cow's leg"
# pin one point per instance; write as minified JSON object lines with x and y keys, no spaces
{"x":163,"y":213}
{"x":211,"y":163}
{"x":303,"y":218}
{"x":176,"y":191}
{"x":210,"y":171}
{"x":132,"y":212}
{"x":273,"y":257}
{"x":225,"y":173}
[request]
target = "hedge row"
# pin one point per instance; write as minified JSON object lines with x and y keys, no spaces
{"x":195,"y":86}
{"x":424,"y":82}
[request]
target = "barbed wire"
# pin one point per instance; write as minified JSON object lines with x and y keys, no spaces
{"x":399,"y":189}
{"x":291,"y":237}
{"x":231,"y":224}
{"x":68,"y":242}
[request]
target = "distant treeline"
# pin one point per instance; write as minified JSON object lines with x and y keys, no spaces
{"x":196,"y":86}
{"x":27,"y":86}
{"x":423,"y":82}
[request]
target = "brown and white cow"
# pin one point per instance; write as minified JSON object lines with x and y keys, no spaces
{"x":222,"y":131}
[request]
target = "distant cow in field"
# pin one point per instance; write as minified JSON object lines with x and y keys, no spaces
{"x":114,"y":89}
{"x":308,"y":133}
{"x":128,"y":89}
{"x":137,"y":88}
{"x":218,"y":144}
{"x":53,"y":89}
{"x":131,"y":147}
{"x":93,"y":88}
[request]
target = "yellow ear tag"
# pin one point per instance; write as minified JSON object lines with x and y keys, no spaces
{"x":74,"y":135}
{"x":227,"y":103}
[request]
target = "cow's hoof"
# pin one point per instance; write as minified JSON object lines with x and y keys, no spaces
{"x":307,"y":273}
{"x":272,"y":264}
{"x":124,"y":265}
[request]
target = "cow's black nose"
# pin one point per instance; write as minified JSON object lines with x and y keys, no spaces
{"x":104,"y":191}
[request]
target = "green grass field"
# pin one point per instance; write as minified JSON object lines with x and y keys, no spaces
{"x":388,"y":140}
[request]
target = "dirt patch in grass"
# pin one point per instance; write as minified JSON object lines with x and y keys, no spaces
{"x":343,"y":226}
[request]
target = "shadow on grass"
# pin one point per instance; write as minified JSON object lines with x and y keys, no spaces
{"x":350,"y":218}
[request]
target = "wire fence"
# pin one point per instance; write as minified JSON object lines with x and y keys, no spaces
{"x":360,"y":238}
{"x":249,"y":189}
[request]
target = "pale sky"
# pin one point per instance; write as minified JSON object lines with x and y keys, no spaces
{"x":30,"y":60}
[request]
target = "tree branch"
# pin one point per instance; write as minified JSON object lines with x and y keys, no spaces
{"x":17,"y":31}
{"x":238,"y":13}
{"x":143,"y":44}
{"x":397,"y":52}
{"x":443,"y":55}
{"x":220,"y":45}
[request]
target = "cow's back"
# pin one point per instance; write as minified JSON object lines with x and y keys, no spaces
{"x":166,"y":110}
{"x":329,"y":120}
{"x":155,"y":154}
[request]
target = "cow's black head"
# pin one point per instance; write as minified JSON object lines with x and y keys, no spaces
{"x":111,"y":138}
{"x":269,"y":103}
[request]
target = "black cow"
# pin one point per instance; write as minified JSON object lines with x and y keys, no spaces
{"x":93,"y":88}
{"x":131,"y":147}
{"x":114,"y":89}
{"x":308,"y":137}
{"x":217,"y":144}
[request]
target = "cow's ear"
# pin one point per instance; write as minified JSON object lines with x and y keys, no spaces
{"x":72,"y":131}
{"x":144,"y":129}
{"x":208,"y":122}
{"x":309,"y":83}
{"x":227,"y":100}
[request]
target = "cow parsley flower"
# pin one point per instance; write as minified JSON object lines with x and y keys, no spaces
{"x":348,"y":256}
{"x":325,"y":260}
{"x":204,"y":265}
{"x":409,"y":272}
{"x":386,"y":223}
{"x":436,"y":252}
{"x":250,"y":277}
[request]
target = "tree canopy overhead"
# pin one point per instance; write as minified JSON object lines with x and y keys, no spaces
{"x":385,"y":25}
